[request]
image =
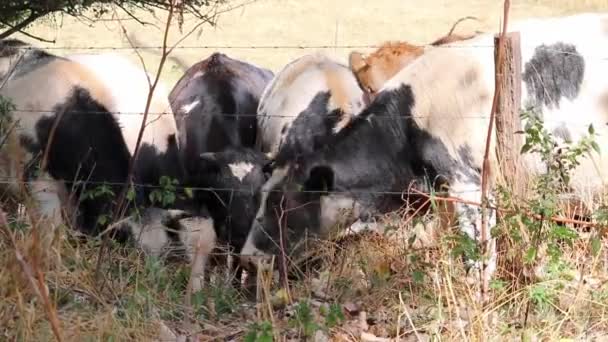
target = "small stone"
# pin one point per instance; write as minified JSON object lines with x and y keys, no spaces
{"x":320,"y":336}
{"x":351,"y":308}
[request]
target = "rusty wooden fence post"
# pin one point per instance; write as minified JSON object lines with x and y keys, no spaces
{"x":508,"y":142}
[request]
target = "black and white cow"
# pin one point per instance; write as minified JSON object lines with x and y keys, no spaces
{"x":311,"y":98}
{"x":215,"y":105}
{"x":88,"y":109}
{"x":425,"y":124}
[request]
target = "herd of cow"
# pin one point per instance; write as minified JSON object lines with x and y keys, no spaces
{"x":275,"y":159}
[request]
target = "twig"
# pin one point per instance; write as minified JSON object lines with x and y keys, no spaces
{"x":409,"y":318}
{"x":283,"y":261}
{"x":29,"y":34}
{"x":132,"y":16}
{"x":123,"y":194}
{"x":35,"y":279}
{"x":459,"y":21}
{"x":20,"y":26}
{"x":486,"y":161}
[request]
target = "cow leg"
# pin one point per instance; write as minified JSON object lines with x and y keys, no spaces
{"x":46,"y":193}
{"x":469,"y":222}
{"x":198,"y":235}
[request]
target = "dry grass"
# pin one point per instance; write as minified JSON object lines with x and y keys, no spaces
{"x":406,"y":285}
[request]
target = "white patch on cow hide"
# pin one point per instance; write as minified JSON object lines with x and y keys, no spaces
{"x":240,"y":170}
{"x":187,"y":108}
{"x":337,"y":211}
{"x":152,"y":237}
{"x":277,"y":176}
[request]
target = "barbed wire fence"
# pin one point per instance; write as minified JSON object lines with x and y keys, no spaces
{"x":304,"y":47}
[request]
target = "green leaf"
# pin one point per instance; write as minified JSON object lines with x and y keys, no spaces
{"x":418,"y":276}
{"x":591,"y":129}
{"x":524,"y":149}
{"x":530,"y":255}
{"x":189,"y":192}
{"x":102,"y":220}
{"x":595,"y":146}
{"x":596,"y":245}
{"x":131,"y":194}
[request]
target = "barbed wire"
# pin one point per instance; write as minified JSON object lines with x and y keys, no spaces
{"x":412,"y":190}
{"x":15,"y":180}
{"x":276,"y":47}
{"x":287,"y":47}
{"x":260,"y":116}
{"x":284,"y":47}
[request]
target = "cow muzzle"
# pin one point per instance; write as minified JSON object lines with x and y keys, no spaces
{"x":252,"y":258}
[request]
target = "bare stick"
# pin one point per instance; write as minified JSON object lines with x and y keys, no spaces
{"x":35,"y":279}
{"x":123,"y":194}
{"x":486,"y":161}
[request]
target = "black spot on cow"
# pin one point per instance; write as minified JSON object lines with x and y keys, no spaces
{"x":555,"y":71}
{"x":86,"y":151}
{"x":562,"y":132}
{"x":310,"y":131}
{"x":469,"y":77}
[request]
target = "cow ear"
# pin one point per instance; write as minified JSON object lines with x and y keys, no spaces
{"x":356,"y":61}
{"x":320,"y":180}
{"x":207,"y":162}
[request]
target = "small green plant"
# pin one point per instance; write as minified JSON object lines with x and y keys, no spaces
{"x":166,"y":193}
{"x":333,"y":316}
{"x":223,"y":299}
{"x":560,"y":161}
{"x":542,"y":296}
{"x":259,"y":332}
{"x":303,"y":319}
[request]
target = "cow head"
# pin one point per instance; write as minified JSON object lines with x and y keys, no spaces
{"x":358,"y":173}
{"x":293,"y":206}
{"x":227,"y":183}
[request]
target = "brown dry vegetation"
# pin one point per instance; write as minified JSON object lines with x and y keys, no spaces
{"x":404,"y":286}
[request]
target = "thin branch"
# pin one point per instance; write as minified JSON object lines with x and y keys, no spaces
{"x":143,"y":23}
{"x":209,"y":19}
{"x":30,"y":34}
{"x":17,"y":28}
{"x":120,"y":208}
{"x":459,"y":21}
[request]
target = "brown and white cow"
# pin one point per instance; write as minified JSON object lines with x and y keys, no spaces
{"x":374,"y":69}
